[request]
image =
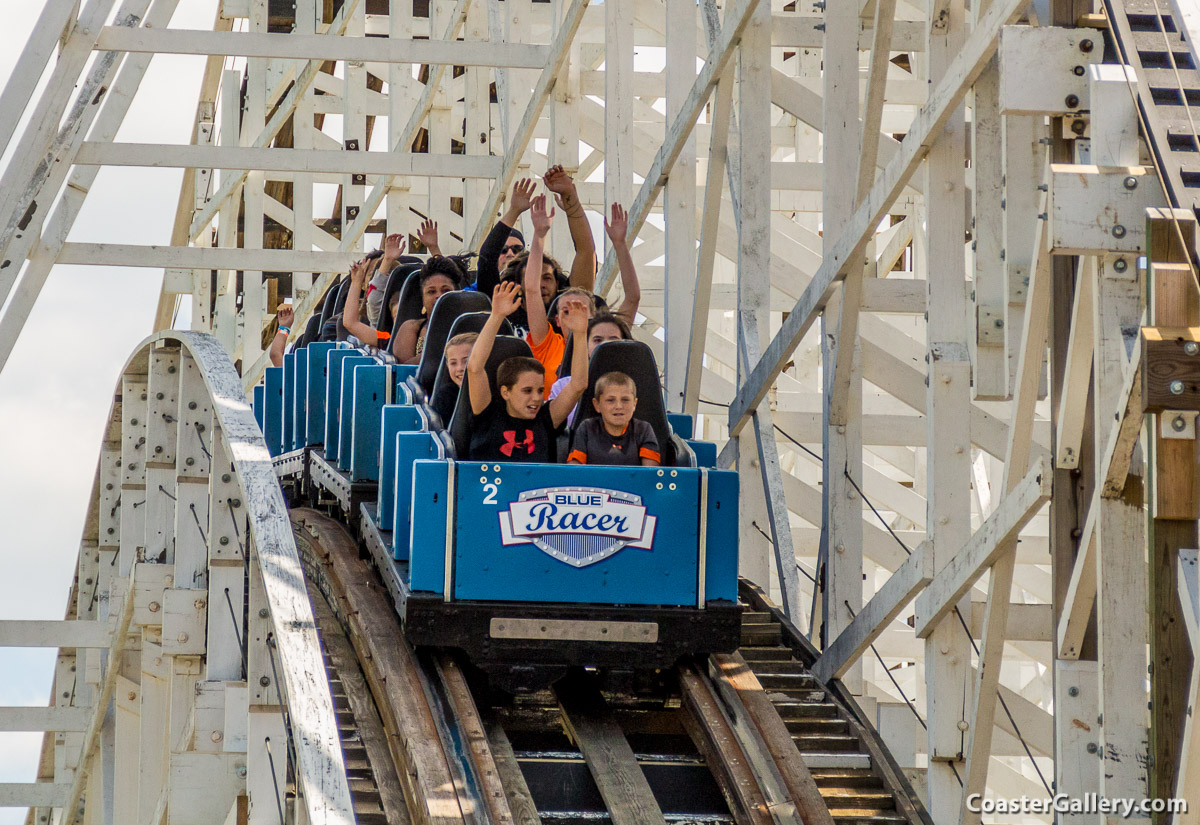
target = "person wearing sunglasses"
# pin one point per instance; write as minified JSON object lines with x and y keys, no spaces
{"x":504,"y":243}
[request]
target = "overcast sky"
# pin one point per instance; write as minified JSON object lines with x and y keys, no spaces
{"x":56,"y":390}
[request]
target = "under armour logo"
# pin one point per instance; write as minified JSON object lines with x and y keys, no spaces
{"x":511,"y":443}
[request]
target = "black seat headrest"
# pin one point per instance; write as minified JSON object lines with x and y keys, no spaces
{"x":445,"y":312}
{"x":444,"y":393}
{"x":410,"y":296}
{"x":339,"y":308}
{"x":564,"y":366}
{"x":505,"y":347}
{"x":331,"y":296}
{"x":394,"y":283}
{"x":637,"y":361}
{"x":311,"y":330}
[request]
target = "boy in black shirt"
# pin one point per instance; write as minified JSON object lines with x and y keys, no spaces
{"x":615,"y":436}
{"x":518,"y":426}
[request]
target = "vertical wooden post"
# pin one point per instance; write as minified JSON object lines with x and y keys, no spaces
{"x":401,"y":97}
{"x":841,"y":469}
{"x":225,"y":318}
{"x":679,"y":204}
{"x":948,"y":439}
{"x":1170,"y":238}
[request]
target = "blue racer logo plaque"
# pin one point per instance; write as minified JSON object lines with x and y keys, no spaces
{"x":578,"y":525}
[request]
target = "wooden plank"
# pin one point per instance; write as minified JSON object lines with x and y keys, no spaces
{"x":321,"y":47}
{"x":466,"y":715}
{"x":1175,"y":490}
{"x":1189,"y":757}
{"x":716,"y":741}
{"x":319,"y":161}
{"x":608,"y":755}
{"x":1166,"y":360}
{"x":944,"y":100}
{"x":50,"y":633}
{"x":737,"y":675}
{"x":520,"y":800}
{"x":392,"y":672}
{"x":370,"y":726}
{"x":875,"y":616}
{"x":33,"y":794}
{"x":66,"y":718}
{"x":991,"y":540}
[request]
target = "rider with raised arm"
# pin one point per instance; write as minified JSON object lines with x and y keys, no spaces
{"x":518,"y":426}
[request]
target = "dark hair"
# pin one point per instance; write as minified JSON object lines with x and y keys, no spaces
{"x":515,"y":271}
{"x":374,"y":253}
{"x":512,"y":368}
{"x":442,"y":265}
{"x":516,"y":233}
{"x":609,"y":318}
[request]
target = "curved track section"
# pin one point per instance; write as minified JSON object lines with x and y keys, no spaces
{"x":191,"y":652}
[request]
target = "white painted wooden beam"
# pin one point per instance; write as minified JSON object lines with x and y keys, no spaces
{"x":191,"y":257}
{"x":321,"y":47}
{"x":287,"y":160}
{"x":50,"y":633}
{"x":44,"y":719}
{"x":1072,"y":406}
{"x":943,"y":100}
{"x":680,"y":128}
{"x":50,"y":25}
{"x":1076,"y":609}
{"x":33,"y":794}
{"x":875,"y":616}
{"x":1187,"y":782}
{"x":994,"y":537}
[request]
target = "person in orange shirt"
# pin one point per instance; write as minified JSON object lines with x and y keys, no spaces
{"x":547,"y":343}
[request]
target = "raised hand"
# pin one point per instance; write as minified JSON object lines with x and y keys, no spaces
{"x":541,"y":218}
{"x":427,"y":234}
{"x":284,"y":315}
{"x":506,"y":298}
{"x":617,"y":227}
{"x":393,"y":246}
{"x":522,"y":194}
{"x":573,"y":316}
{"x":558,"y":181}
{"x":358,"y":270}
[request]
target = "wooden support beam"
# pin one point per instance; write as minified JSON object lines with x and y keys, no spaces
{"x":268,"y":160}
{"x":944,"y":99}
{"x":679,"y":129}
{"x":715,"y":739}
{"x":874,"y":618}
{"x":322,"y":47}
{"x":50,"y":633}
{"x":737,"y":685}
{"x":613,"y":766}
{"x":44,"y":719}
{"x":1187,"y":780}
{"x":1175,"y":480}
{"x":33,"y":795}
{"x":193,"y":257}
{"x":1076,"y":608}
{"x":1171,"y":362}
{"x":995,"y":536}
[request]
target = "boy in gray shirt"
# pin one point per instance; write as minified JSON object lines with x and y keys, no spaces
{"x":615,"y":436}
